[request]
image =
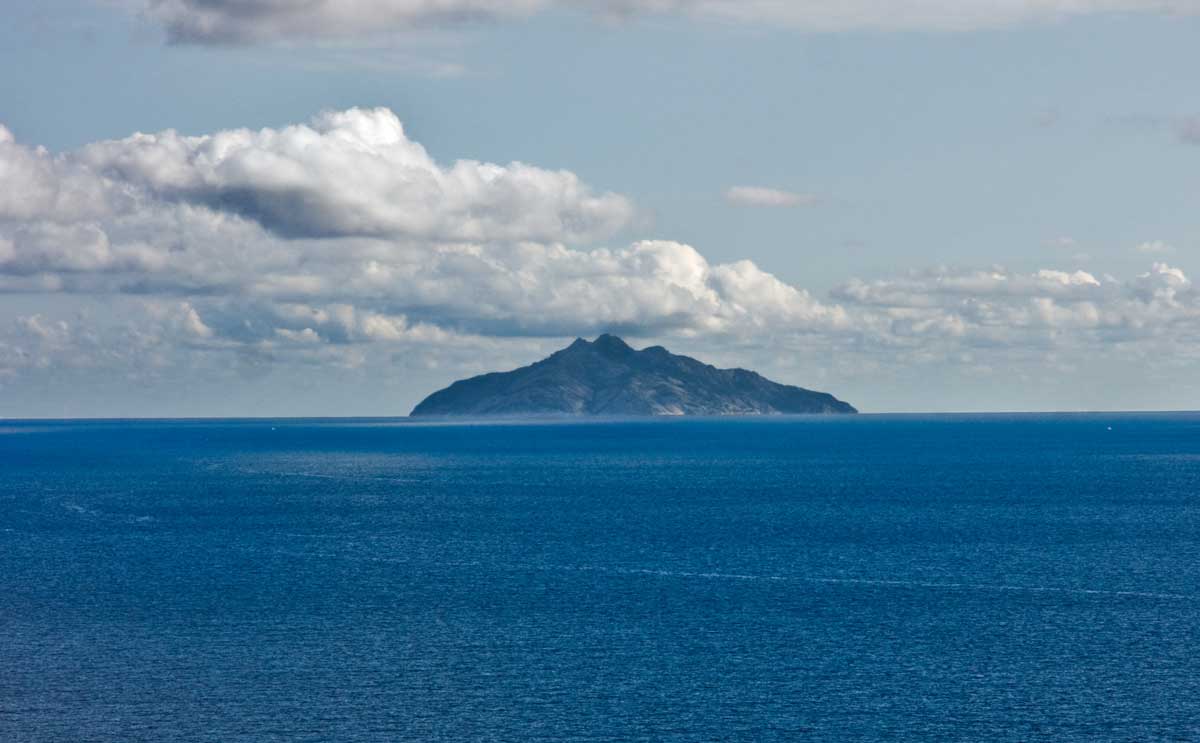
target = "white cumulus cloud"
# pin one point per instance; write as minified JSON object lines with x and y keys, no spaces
{"x":355,"y":172}
{"x":347,"y":217}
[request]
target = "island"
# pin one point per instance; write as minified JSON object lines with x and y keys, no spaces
{"x":607,"y":377}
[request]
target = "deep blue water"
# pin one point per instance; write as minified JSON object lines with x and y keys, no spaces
{"x":871,"y":578}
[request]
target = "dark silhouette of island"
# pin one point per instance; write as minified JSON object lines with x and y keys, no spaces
{"x":608,"y":377}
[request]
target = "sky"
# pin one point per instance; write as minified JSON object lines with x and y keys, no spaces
{"x":261,"y":208}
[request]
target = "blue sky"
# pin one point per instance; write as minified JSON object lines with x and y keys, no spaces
{"x":911,"y":154}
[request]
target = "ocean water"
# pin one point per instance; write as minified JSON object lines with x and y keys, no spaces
{"x":999,"y":578}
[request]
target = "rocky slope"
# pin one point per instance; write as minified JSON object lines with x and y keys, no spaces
{"x":608,"y":377}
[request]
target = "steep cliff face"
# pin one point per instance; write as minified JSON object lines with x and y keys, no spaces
{"x":608,"y":377}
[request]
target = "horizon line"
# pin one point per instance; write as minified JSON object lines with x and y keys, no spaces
{"x":598,"y":418}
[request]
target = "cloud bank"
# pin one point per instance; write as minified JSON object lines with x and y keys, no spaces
{"x":247,"y":21}
{"x":340,"y":241}
{"x":344,"y":230}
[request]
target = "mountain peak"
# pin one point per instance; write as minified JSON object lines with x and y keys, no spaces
{"x":611,"y":344}
{"x":606,"y":344}
{"x":608,"y":377}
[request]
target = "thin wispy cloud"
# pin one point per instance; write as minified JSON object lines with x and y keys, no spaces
{"x":1188,"y":129}
{"x":1155,"y":247}
{"x":1185,"y":129}
{"x":1062,"y":242}
{"x":253,"y":21}
{"x":1048,"y":118}
{"x":767,"y":197}
{"x":1069,"y":246}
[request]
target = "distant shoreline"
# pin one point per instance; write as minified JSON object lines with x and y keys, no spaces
{"x":443,"y":420}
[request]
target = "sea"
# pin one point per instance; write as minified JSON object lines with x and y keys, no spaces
{"x":859,"y":578}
